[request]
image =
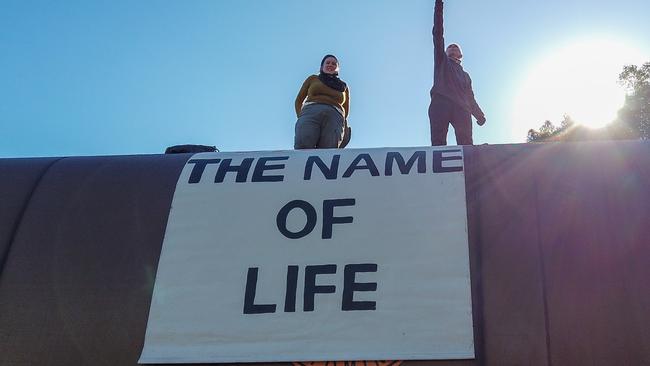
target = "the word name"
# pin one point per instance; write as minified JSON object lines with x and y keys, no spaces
{"x":269,"y":169}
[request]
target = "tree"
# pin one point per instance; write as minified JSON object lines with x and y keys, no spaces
{"x":635,"y":114}
{"x":633,"y":120}
{"x":549,"y":132}
{"x":570,"y":131}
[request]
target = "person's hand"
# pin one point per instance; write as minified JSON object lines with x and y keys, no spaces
{"x":347,"y":135}
{"x":481,"y":120}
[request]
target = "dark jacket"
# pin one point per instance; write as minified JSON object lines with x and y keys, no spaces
{"x":449,"y":78}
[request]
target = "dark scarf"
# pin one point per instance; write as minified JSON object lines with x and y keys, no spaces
{"x":333,"y":81}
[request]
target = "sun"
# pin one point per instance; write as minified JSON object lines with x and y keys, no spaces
{"x":579,"y":79}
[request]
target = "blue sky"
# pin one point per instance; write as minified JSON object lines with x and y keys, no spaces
{"x":133,"y":77}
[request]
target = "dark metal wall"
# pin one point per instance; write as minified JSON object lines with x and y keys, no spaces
{"x":559,"y":245}
{"x":77,"y":284}
{"x":562,"y":235}
{"x":18,"y":179}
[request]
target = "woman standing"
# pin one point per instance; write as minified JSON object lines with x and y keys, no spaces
{"x":322,"y":107}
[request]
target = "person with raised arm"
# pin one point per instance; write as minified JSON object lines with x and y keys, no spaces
{"x":452,"y":97}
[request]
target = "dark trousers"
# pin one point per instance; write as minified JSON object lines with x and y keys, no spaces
{"x":442,"y":112}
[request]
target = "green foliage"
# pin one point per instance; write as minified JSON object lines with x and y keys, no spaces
{"x":633,"y":120}
{"x":636,"y":112}
{"x":548,"y":131}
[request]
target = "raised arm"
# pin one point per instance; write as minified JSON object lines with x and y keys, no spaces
{"x":438,"y":32}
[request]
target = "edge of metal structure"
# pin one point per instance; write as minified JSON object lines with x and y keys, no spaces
{"x":558,"y":241}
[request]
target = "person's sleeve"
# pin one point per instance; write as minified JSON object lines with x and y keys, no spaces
{"x":302,"y":94}
{"x":346,"y":104}
{"x":438,"y":33}
{"x":476,"y":109}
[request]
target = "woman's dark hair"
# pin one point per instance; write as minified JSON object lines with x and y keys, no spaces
{"x":331,"y":80}
{"x":325,"y":58}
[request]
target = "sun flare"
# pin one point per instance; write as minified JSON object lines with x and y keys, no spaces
{"x":580,"y":80}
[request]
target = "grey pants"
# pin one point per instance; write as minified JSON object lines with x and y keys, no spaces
{"x":320,"y":126}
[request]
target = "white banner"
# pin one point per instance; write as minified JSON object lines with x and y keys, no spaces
{"x":315,"y":255}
